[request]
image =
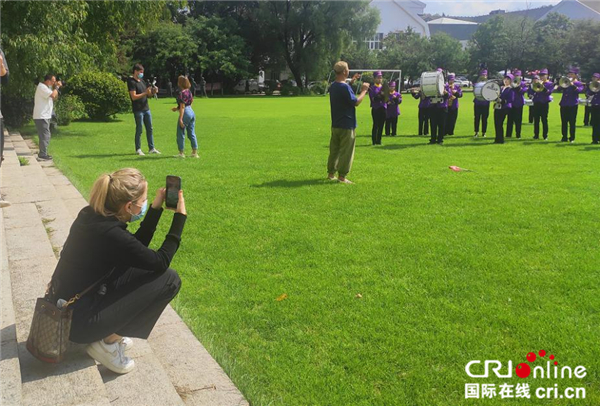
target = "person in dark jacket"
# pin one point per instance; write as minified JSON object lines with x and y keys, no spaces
{"x":132,"y":284}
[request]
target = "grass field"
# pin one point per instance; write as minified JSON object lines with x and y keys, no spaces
{"x":452,"y":267}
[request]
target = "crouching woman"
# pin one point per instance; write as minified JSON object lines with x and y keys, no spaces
{"x":132,"y":284}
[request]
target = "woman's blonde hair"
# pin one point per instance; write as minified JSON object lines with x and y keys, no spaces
{"x":183,"y":82}
{"x":111,"y":191}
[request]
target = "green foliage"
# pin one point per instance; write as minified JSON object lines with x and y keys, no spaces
{"x":173,"y":57}
{"x":367,"y":77}
{"x":288,"y":90}
{"x":69,"y":107}
{"x":408,"y":51}
{"x":310,"y":35}
{"x":16,"y":109}
{"x":549,"y":43}
{"x":320,"y":87}
{"x":102,"y":94}
{"x":217,"y":48}
{"x":491,"y":44}
{"x":446,"y":53}
{"x":583,"y":37}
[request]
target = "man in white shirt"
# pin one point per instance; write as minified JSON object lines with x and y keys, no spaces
{"x":45,"y":94}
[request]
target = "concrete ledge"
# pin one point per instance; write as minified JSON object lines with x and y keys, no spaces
{"x":198,"y":378}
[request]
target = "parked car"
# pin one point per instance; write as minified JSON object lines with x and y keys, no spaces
{"x":246,"y":85}
{"x":463,"y":81}
{"x":269,"y":86}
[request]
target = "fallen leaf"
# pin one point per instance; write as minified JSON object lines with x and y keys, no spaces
{"x":282,"y":297}
{"x":358,"y":296}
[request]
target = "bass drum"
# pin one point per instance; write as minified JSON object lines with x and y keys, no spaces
{"x":432,"y":84}
{"x":487,"y":91}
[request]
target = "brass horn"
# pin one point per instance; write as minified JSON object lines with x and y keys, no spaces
{"x":537,"y":86}
{"x":516,"y":82}
{"x":565,"y":82}
{"x":594,"y":86}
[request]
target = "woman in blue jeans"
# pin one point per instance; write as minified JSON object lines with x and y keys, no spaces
{"x":187,"y":118}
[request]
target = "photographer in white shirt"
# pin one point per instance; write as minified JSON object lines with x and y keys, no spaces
{"x":45,"y":94}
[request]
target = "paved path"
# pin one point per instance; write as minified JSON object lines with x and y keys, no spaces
{"x":172,"y":367}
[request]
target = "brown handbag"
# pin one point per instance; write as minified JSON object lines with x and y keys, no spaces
{"x":48,"y":338}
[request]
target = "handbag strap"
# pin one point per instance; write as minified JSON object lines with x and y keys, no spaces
{"x":79,"y":295}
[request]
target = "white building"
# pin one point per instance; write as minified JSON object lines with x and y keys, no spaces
{"x":398,"y":15}
{"x":578,"y":9}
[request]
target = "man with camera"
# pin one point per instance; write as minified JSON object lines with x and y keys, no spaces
{"x":45,"y":94}
{"x":139,"y":93}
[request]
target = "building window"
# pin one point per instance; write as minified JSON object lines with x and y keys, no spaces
{"x":376,"y":42}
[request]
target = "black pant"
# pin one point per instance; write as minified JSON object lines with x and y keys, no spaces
{"x":423,"y":121}
{"x":530,"y":114}
{"x":586,"y":115}
{"x":1,"y":141}
{"x":437,"y":117}
{"x":540,"y":112}
{"x":451,"y":121}
{"x":481,"y":114}
{"x":378,"y":116}
{"x":595,"y":121}
{"x":568,"y":116}
{"x":393,"y":123}
{"x":515,"y":117}
{"x":131,"y":306}
{"x":499,"y":116}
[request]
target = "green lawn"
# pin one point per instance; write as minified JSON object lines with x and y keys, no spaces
{"x":452,"y":267}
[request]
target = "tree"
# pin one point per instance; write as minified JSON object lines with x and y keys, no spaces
{"x":310,"y":35}
{"x":217,"y":49}
{"x":582,"y":38}
{"x":491,"y":45}
{"x":549,"y":43}
{"x":447,"y":52}
{"x":408,"y":51}
{"x":174,"y":55}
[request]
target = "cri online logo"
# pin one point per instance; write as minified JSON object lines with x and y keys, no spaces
{"x":523,"y":370}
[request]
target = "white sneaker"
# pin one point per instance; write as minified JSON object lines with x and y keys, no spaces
{"x":111,"y":356}
{"x":476,"y":135}
{"x":126,"y":343}
{"x":180,"y":155}
{"x":139,"y":152}
{"x":154,"y":151}
{"x":195,"y":155}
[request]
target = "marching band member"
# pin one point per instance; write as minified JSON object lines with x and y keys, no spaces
{"x":392,"y":110}
{"x":377,"y":108}
{"x":595,"y":110}
{"x":438,"y":113}
{"x":569,"y":104}
{"x":454,"y":93}
{"x":515,"y":114}
{"x":423,"y":112}
{"x":541,"y":102}
{"x":502,"y":107}
{"x":482,"y":109}
{"x":587,"y":111}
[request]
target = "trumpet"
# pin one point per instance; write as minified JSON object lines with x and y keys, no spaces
{"x":594,"y":87}
{"x":537,"y":86}
{"x":516,"y":82}
{"x":565,"y":82}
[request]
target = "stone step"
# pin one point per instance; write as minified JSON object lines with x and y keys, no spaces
{"x":10,"y":384}
{"x":197,"y":377}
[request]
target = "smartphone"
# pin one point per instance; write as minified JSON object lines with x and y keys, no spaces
{"x":173,"y":188}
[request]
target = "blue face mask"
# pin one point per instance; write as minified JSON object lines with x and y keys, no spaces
{"x":140,"y":75}
{"x":136,"y":217}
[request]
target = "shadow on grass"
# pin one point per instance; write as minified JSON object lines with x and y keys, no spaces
{"x":129,"y":157}
{"x":296,"y":183}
